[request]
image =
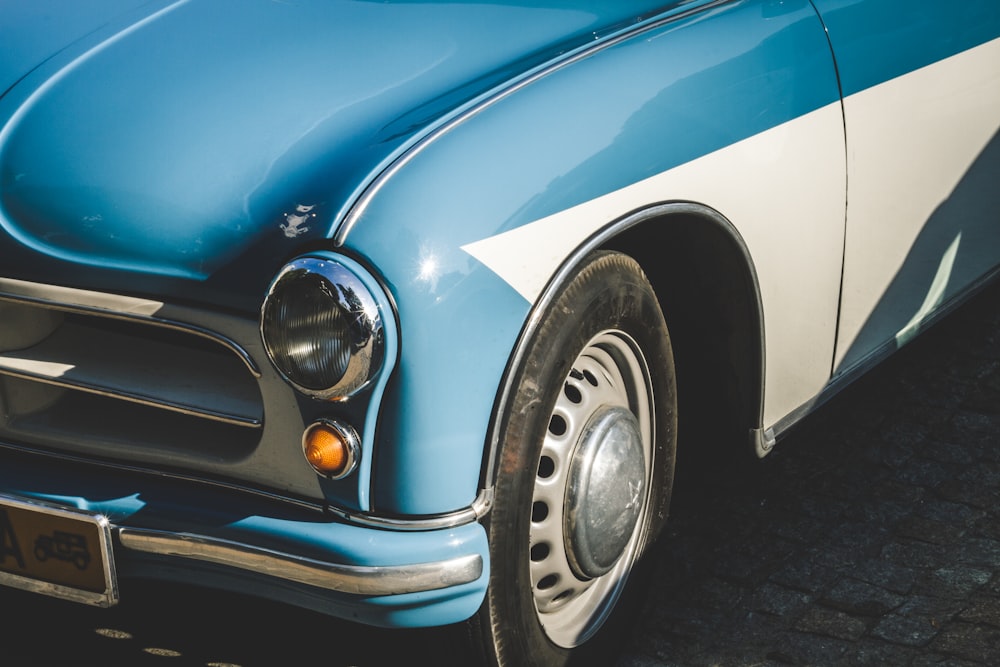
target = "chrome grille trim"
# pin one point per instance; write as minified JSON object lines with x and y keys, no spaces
{"x":111,"y":306}
{"x":66,"y":358}
{"x":114,"y":377}
{"x":133,"y":398}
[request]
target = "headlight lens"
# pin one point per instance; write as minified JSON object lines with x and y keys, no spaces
{"x":322,"y":329}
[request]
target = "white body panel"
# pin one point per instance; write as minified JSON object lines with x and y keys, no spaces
{"x":924,"y":198}
{"x":796,"y":247}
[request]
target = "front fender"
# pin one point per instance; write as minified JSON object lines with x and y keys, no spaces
{"x":471,"y":225}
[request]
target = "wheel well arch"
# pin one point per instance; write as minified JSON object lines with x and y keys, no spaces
{"x":706,"y":283}
{"x":704,"y":278}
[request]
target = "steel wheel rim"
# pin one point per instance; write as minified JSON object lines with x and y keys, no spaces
{"x":609,"y":373}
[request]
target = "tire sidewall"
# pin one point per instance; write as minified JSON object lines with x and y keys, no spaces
{"x":607,"y":292}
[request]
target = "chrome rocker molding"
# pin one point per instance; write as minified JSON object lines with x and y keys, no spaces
{"x":351,"y":579}
{"x":845,"y":377}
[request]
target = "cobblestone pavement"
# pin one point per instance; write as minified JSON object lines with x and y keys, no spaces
{"x":871,"y":536}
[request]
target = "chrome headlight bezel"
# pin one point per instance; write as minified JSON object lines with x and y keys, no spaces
{"x":336,"y":346}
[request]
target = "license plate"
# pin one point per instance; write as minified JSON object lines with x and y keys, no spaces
{"x":56,"y":551}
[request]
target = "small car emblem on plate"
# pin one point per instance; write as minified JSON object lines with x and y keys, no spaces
{"x":57,"y":551}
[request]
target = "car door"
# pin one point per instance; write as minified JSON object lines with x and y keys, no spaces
{"x":921,"y":87}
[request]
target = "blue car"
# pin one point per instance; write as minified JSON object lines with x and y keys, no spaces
{"x":404,"y":311}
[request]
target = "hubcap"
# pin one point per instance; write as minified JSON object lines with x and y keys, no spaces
{"x":604,"y":494}
{"x":592,"y":488}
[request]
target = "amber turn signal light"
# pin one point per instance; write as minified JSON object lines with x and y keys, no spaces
{"x":331,"y":448}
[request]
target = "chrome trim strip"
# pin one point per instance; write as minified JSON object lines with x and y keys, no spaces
{"x":115,"y":307}
{"x":363,"y":328}
{"x":476,"y":511}
{"x":437,"y":522}
{"x":352,"y":579}
{"x":68,"y":457}
{"x":249,"y":422}
{"x":356,"y":210}
{"x":763,"y":441}
{"x":596,"y":241}
{"x":106,"y":598}
{"x":846,"y":377}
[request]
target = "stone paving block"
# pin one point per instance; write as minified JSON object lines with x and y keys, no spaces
{"x":859,"y":538}
{"x":905,"y":630}
{"x":839,"y":560}
{"x":794,"y":528}
{"x":938,"y":390}
{"x":924,"y":472}
{"x":894,"y":490}
{"x":879,"y":654}
{"x":937,"y":660}
{"x":830,"y":623}
{"x":915,"y":554}
{"x":756,"y":555}
{"x":806,"y":574}
{"x":983,"y":552}
{"x":930,"y":530}
{"x":967,"y":492}
{"x":975,"y":426}
{"x":937,"y":609}
{"x":949,"y":451}
{"x":984,"y":399}
{"x":886,"y":513}
{"x":969,"y":642}
{"x":984,"y":611}
{"x":693,"y":622}
{"x":889,"y":576}
{"x":630,"y":660}
{"x":656,"y":649}
{"x":800,"y":648}
{"x":953,"y":582}
{"x":893,"y":455}
{"x":872,"y":539}
{"x":905,"y":434}
{"x":819,"y":508}
{"x":864,"y":599}
{"x":850,"y":484}
{"x":945,"y":511}
{"x":779,"y":600}
{"x":989,"y":525}
{"x":718,"y":593}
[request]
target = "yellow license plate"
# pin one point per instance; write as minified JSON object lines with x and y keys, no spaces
{"x":56,"y":551}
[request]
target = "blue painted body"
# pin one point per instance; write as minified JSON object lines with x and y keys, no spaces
{"x":154,"y":112}
{"x":529,"y":162}
{"x":141,"y":502}
{"x":162,"y":146}
{"x":878,"y":41}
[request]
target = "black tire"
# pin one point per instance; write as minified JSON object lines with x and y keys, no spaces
{"x":593,"y":403}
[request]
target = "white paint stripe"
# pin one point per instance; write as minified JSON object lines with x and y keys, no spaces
{"x":784,"y":189}
{"x":913,"y":141}
{"x":771,"y":162}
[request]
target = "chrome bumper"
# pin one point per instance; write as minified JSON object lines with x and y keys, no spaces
{"x":358,"y":580}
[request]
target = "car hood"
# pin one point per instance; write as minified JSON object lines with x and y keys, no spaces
{"x":170,"y":141}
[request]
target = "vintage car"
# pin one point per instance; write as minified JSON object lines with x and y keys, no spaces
{"x":364,"y":306}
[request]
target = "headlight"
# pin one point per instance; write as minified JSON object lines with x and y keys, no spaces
{"x":322,"y":329}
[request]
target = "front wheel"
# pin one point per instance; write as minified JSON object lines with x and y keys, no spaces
{"x":586,"y":462}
